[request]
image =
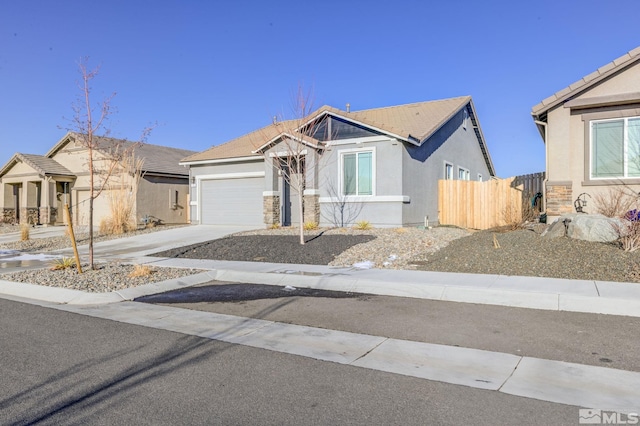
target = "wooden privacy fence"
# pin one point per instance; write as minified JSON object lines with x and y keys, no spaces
{"x":481,"y":205}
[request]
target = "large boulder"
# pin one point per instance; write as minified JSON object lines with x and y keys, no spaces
{"x":588,"y":227}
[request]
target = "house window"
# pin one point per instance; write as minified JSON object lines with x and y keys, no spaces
{"x":463,"y":174}
{"x":448,"y":171}
{"x":615,"y":148}
{"x":357,"y":173}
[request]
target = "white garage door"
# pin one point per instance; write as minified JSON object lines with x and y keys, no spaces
{"x":232,"y":201}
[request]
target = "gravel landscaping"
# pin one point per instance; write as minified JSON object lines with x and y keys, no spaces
{"x":448,"y":249}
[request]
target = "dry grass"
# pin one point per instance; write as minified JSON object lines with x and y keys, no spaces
{"x":310,"y":226}
{"x":25,"y":230}
{"x":616,"y":201}
{"x":141,"y":271}
{"x":400,"y":230}
{"x":122,"y":199}
{"x":63,"y":263}
{"x":363,"y":225}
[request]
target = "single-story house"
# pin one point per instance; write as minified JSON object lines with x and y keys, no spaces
{"x":378,"y":165}
{"x":591,"y":132}
{"x":35,"y":188}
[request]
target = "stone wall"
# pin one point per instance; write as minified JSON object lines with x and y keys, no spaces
{"x":30,"y":215}
{"x":8,"y":215}
{"x":271,"y":209}
{"x":559,"y":198}
{"x":311,"y":209}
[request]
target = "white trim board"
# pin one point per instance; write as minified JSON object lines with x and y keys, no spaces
{"x":367,"y":199}
{"x":240,"y":175}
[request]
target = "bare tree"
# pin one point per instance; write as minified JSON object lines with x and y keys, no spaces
{"x":90,"y":131}
{"x":295,"y":139}
{"x":343,"y":210}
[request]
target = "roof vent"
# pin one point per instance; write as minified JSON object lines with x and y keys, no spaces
{"x":348,"y":107}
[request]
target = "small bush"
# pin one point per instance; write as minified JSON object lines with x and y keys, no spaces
{"x":25,"y":230}
{"x":274,"y":226}
{"x":140,"y":271}
{"x":616,"y":202}
{"x":63,"y":263}
{"x":629,"y":235}
{"x":310,"y":226}
{"x":363,"y":225}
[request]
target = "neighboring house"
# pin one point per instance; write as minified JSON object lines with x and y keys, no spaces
{"x":380,"y":165}
{"x":591,"y":131}
{"x":35,"y":188}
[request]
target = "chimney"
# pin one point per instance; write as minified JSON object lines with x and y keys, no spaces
{"x":348,"y":107}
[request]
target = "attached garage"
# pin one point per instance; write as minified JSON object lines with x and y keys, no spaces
{"x":232,"y":201}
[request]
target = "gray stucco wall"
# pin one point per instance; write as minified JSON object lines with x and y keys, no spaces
{"x":384,"y":208}
{"x":423,"y":166}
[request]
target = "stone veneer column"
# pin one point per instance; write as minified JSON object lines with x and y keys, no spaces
{"x":271,"y":208}
{"x":559,"y":198}
{"x":311,"y":206}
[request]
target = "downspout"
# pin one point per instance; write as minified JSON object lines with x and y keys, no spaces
{"x":546,"y":163}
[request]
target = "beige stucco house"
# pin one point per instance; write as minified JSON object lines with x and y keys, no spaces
{"x":591,"y":131}
{"x":35,"y":188}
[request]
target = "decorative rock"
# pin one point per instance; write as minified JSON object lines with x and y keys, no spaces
{"x":587,"y":227}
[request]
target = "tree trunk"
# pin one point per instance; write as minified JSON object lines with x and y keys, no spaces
{"x":301,"y":213}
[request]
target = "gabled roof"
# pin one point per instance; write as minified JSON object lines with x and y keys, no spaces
{"x":44,"y":166}
{"x":586,"y":82}
{"x":157,"y":159}
{"x":412,"y":123}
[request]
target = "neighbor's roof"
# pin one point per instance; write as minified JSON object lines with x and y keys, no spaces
{"x":45,"y":166}
{"x":413,"y":123}
{"x":157,"y":159}
{"x":586,"y":82}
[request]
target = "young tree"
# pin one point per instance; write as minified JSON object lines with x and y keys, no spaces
{"x":90,"y":131}
{"x":292,"y":148}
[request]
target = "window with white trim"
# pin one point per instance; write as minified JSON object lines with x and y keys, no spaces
{"x":357,"y":173}
{"x":448,"y":171}
{"x":463,"y":174}
{"x":615,"y":148}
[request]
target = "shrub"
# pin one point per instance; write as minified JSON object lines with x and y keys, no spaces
{"x":616,"y":201}
{"x":629,"y":235}
{"x":363,"y":225}
{"x":310,"y":226}
{"x":274,"y":226}
{"x":25,"y":230}
{"x":140,"y":271}
{"x":63,"y":263}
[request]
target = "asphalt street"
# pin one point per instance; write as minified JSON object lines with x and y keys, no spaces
{"x":62,"y":368}
{"x":591,"y":339}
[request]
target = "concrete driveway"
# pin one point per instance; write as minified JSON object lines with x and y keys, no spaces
{"x":146,"y":244}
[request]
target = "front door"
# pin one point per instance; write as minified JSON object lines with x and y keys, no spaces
{"x":16,"y":200}
{"x":62,"y":198}
{"x":286,"y":202}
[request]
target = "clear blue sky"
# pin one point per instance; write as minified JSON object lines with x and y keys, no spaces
{"x":210,"y":71}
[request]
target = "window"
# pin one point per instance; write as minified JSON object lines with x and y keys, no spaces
{"x":615,"y":148}
{"x":463,"y":174}
{"x":357,"y":173}
{"x":448,"y":171}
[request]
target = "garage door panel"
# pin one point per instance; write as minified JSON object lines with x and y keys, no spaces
{"x":232,"y":201}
